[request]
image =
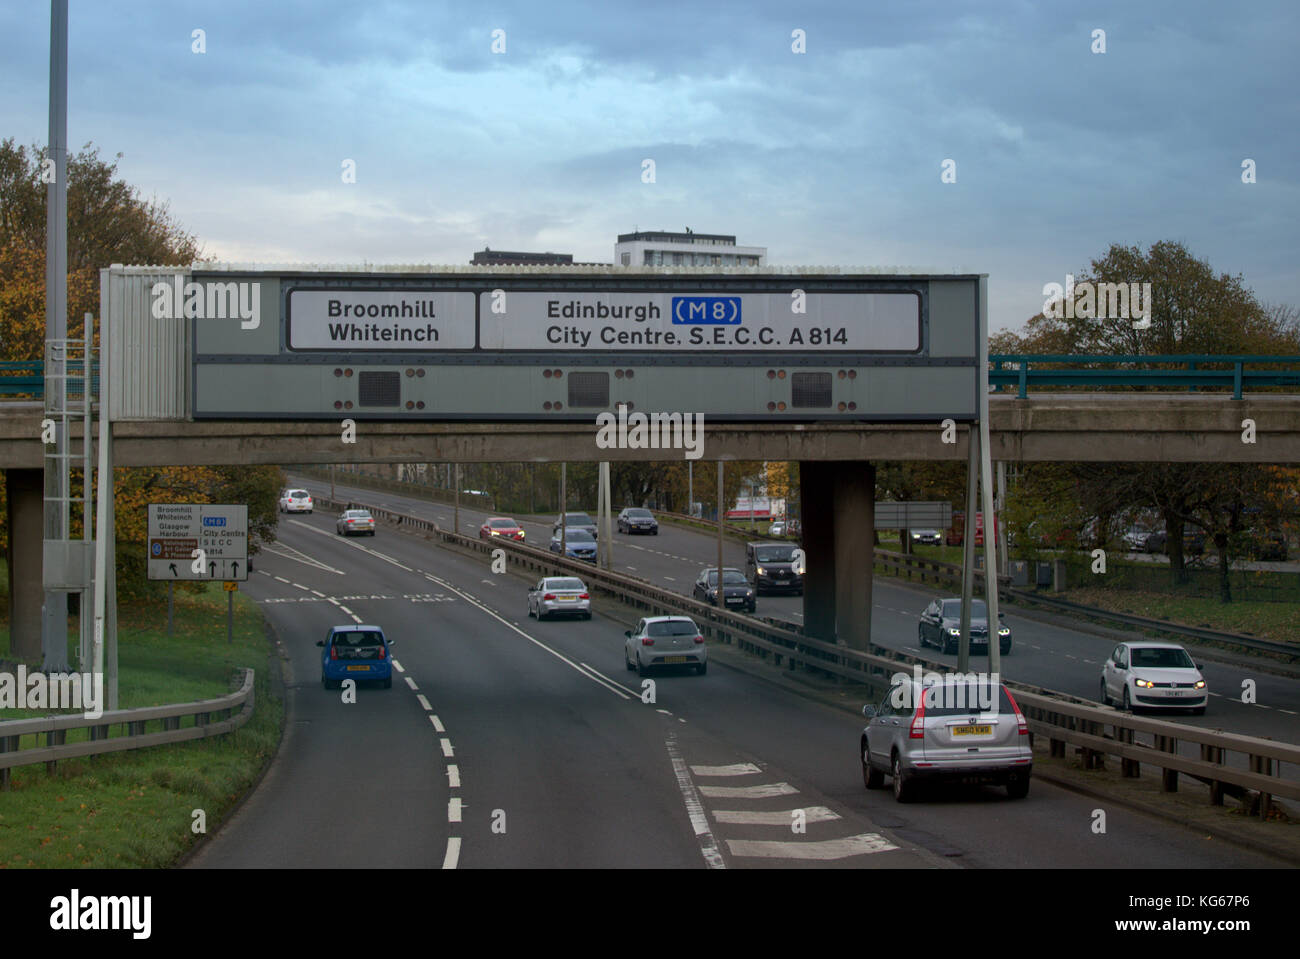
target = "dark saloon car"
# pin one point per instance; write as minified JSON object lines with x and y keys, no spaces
{"x":633,"y":519}
{"x":940,"y":626}
{"x":737,"y":593}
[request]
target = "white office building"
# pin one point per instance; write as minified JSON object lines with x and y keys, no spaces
{"x":685,"y":249}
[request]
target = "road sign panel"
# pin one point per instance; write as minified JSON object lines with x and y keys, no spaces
{"x":182,"y":534}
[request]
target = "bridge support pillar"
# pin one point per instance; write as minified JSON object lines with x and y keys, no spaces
{"x":838,"y":506}
{"x":26,"y":518}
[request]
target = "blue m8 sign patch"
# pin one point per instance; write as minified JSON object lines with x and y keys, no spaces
{"x":708,"y":310}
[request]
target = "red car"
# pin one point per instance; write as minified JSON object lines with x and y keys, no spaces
{"x":501,"y":526}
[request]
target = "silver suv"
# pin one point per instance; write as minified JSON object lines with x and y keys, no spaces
{"x":961,"y":726}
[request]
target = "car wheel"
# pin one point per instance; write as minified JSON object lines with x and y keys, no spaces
{"x":388,"y":683}
{"x":753,"y":607}
{"x":1128,"y":705}
{"x":949,"y":647}
{"x":1018,"y":788}
{"x":701,"y":669}
{"x":903,"y":790}
{"x":654,"y":532}
{"x":1105,"y":696}
{"x":308,"y":512}
{"x":872,"y":778}
{"x":587,"y":615}
{"x":1006,"y":650}
{"x":642,"y":669}
{"x":920,"y":636}
{"x":627,"y":662}
{"x":1198,"y":710}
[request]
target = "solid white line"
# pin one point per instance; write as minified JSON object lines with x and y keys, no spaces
{"x":735,"y":769}
{"x":316,"y":592}
{"x":437,"y":724}
{"x":694,"y":808}
{"x":453,"y":853}
{"x":348,"y":542}
{"x":446,"y":748}
{"x":826,"y":849}
{"x":453,"y":776}
{"x":453,"y":809}
{"x":617,"y":688}
{"x":423,"y":702}
{"x":411,"y":682}
{"x":780,"y":818}
{"x":765,"y":791}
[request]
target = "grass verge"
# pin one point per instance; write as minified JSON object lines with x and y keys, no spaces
{"x":136,"y":808}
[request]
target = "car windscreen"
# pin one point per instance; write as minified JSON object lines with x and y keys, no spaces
{"x":503,"y":524}
{"x":577,"y":519}
{"x":572,"y":536}
{"x":673,"y":627}
{"x":978,"y":609}
{"x":568,"y":582}
{"x":1162,"y":658}
{"x":638,"y":514}
{"x":774,"y":554}
{"x":730,"y":577}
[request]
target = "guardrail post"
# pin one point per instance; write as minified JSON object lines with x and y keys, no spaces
{"x":172,"y":722}
{"x":7,"y":744}
{"x":1023,"y":392}
{"x":1264,"y":766}
{"x":1236,"y":380}
{"x":1168,"y":777}
{"x":1214,"y":754}
{"x":55,"y":737}
{"x":1128,"y":768}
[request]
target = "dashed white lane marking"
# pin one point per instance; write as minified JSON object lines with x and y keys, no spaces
{"x":424,"y":702}
{"x":453,"y":853}
{"x":344,"y":609}
{"x":694,"y":808}
{"x":664,"y":711}
{"x":301,"y":587}
{"x":453,"y":809}
{"x":411,"y":682}
{"x":826,"y":849}
{"x":1216,"y":694}
{"x":283,"y":580}
{"x":437,"y":724}
{"x":735,"y":769}
{"x":780,"y":818}
{"x":398,"y":666}
{"x":1289,"y":712}
{"x":317,"y":592}
{"x":453,"y":776}
{"x":446,"y":748}
{"x":670,"y":579}
{"x":766,"y":791}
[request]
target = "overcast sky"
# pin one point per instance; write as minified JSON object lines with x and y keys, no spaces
{"x":833,"y":156}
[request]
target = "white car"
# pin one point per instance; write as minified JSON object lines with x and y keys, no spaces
{"x":559,"y":594}
{"x":295,"y":501}
{"x":665,"y":641}
{"x":1151,"y":676}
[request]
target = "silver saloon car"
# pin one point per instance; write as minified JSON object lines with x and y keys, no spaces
{"x":665,"y":641}
{"x":559,"y":595}
{"x":958,"y":728}
{"x":1153,"y":675}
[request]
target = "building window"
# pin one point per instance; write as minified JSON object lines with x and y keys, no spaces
{"x":649,"y":259}
{"x":627,"y":259}
{"x":677,"y":259}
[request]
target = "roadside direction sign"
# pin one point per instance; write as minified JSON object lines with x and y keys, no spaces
{"x":176,"y":530}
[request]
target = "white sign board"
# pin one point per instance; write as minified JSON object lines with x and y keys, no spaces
{"x":218,"y":532}
{"x":412,"y":321}
{"x":701,"y":322}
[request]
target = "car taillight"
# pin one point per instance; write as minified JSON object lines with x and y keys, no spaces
{"x":383,"y":652}
{"x":585,"y":596}
{"x":549,"y":596}
{"x":917,"y":730}
{"x":1020,"y":717}
{"x":334,"y":652}
{"x":699,"y":639}
{"x":647,"y":641}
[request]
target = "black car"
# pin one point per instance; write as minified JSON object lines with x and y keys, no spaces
{"x":940,"y":626}
{"x":737,"y":593}
{"x":771,"y":567}
{"x":634,"y":519}
{"x":575,"y":521}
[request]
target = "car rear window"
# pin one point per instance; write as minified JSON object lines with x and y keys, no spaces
{"x":564,"y":584}
{"x":358,"y":640}
{"x":958,"y":699}
{"x":298,"y":493}
{"x":674,"y":627}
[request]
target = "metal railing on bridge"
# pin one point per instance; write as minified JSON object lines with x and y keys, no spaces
{"x":1160,"y":371}
{"x":27,"y":378}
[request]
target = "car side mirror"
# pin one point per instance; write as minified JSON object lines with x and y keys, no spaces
{"x":627,"y":633}
{"x":869,"y":712}
{"x":392,"y":642}
{"x":1197,"y":665}
{"x":320,"y":642}
{"x":1121,"y":666}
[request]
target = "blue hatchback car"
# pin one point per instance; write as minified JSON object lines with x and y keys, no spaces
{"x":356,"y":652}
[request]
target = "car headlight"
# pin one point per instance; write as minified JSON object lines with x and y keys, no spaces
{"x":953,"y":632}
{"x":762,"y":571}
{"x":1004,"y":630}
{"x":493,"y":532}
{"x":1200,"y":684}
{"x":749,"y":594}
{"x":1144,"y":683}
